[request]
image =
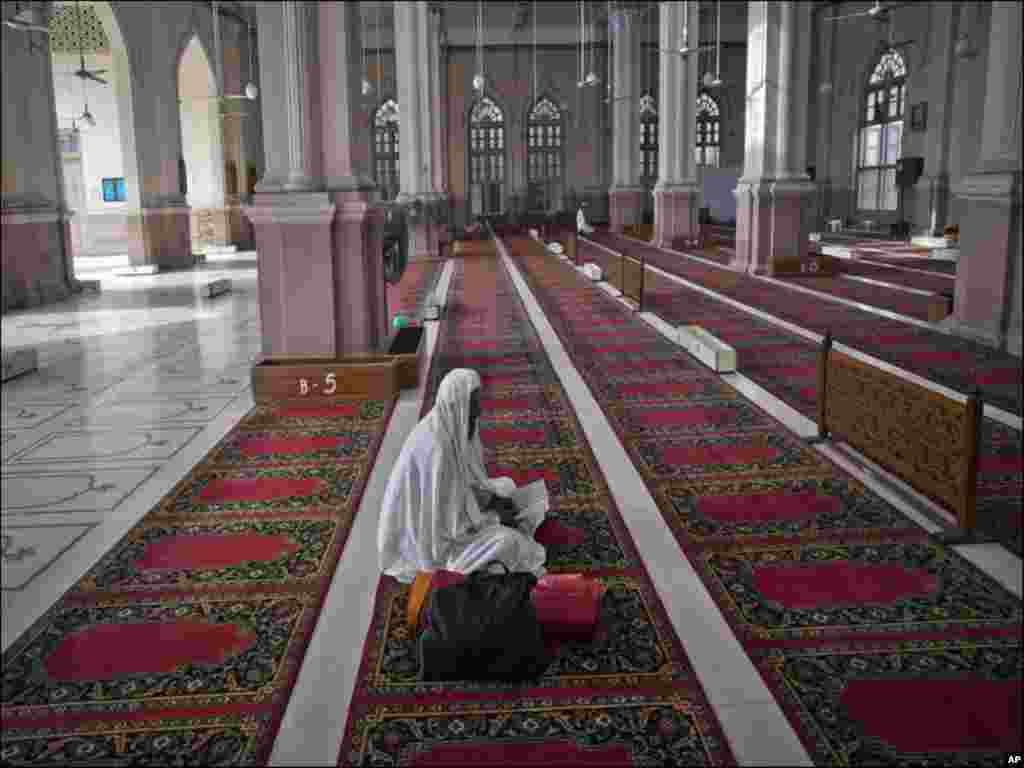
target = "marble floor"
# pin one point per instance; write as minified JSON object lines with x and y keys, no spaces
{"x":135,"y":384}
{"x":139,"y":381}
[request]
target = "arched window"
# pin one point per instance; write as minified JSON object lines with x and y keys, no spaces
{"x":881,"y":134}
{"x":385,"y":149}
{"x":708,"y":126}
{"x":486,"y":157}
{"x":544,"y":154}
{"x":648,"y":140}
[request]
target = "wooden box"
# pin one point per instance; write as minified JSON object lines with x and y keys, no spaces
{"x":406,"y":346}
{"x":715,"y":354}
{"x":320,"y":380}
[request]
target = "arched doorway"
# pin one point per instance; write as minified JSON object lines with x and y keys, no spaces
{"x":486,"y":158}
{"x":202,"y":148}
{"x":96,"y":132}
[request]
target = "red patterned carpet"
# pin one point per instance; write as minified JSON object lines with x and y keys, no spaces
{"x":182,"y":645}
{"x":628,"y":697}
{"x":786,"y":365}
{"x":957,"y":363}
{"x":854,"y":618}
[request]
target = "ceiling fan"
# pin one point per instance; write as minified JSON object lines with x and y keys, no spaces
{"x":26,"y":19}
{"x":878,"y":11}
{"x":82,"y":72}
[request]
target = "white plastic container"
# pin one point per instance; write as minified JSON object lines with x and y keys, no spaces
{"x":593,"y":271}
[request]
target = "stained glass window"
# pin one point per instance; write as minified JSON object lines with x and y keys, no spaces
{"x":487,"y":157}
{"x":881,"y":134}
{"x":708,"y":147}
{"x":544,"y":144}
{"x":385,"y":149}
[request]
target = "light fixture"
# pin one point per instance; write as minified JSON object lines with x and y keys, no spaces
{"x":685,"y":47}
{"x":478,"y":79}
{"x":963,"y":48}
{"x":251,"y":91}
{"x":825,"y":88}
{"x":591,"y":79}
{"x":717,"y":81}
{"x":367,"y":86}
{"x":708,"y":79}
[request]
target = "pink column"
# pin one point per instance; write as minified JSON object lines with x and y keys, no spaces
{"x":360,"y":317}
{"x":626,"y":207}
{"x":675,"y":215}
{"x":296,"y":272}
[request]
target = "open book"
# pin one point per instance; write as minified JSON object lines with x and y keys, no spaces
{"x":532,"y":501}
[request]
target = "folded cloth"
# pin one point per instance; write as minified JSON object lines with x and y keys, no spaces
{"x":567,"y":605}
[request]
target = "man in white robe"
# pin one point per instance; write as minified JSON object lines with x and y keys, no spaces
{"x":440,"y":510}
{"x":581,"y":223}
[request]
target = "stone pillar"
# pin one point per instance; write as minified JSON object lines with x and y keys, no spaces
{"x":988,"y":280}
{"x":291,"y":218}
{"x":931,"y":193}
{"x":438,"y":112}
{"x":771,"y":230}
{"x":417,"y":98}
{"x":35,"y":258}
{"x":626,"y":193}
{"x":358,"y":228}
{"x":677,"y":194}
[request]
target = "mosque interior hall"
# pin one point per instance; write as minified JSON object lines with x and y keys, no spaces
{"x":739,"y":288}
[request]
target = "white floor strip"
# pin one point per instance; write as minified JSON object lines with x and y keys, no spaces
{"x":993,"y":559}
{"x":314,"y":722}
{"x":890,"y":286}
{"x":908,"y":269}
{"x":732,"y":684}
{"x":993,"y":412}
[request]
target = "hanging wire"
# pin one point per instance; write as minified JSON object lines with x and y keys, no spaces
{"x":534,"y":100}
{"x":718,"y":41}
{"x":608,"y":56}
{"x":376,"y":38}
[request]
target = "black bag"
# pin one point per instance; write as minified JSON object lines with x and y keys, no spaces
{"x":483,"y":628}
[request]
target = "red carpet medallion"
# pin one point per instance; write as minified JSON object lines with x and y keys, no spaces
{"x":786,"y":365}
{"x":629,"y":697}
{"x":957,"y":363}
{"x":852,"y":615}
{"x":182,"y":645}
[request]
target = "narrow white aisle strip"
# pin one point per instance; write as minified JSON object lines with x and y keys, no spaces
{"x":992,"y":412}
{"x":755,"y":726}
{"x":314,"y":722}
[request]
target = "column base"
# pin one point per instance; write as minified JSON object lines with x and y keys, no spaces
{"x":771,"y":225}
{"x":675,"y":213}
{"x":357,"y":238}
{"x":33,"y":260}
{"x":423,"y":240}
{"x":296,"y":272}
{"x":626,"y":206}
{"x":988,"y":282}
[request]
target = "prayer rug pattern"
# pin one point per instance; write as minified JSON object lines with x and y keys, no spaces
{"x":183,"y":643}
{"x":998,"y":374}
{"x":824,"y":572}
{"x":629,"y":696}
{"x":786,"y":365}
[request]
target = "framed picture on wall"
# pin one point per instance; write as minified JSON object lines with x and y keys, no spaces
{"x":113,"y":190}
{"x":919,"y":116}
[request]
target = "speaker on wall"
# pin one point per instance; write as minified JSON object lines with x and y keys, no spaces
{"x":909,"y":170}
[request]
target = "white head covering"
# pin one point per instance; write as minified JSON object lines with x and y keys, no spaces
{"x":449,"y":419}
{"x":429,"y":507}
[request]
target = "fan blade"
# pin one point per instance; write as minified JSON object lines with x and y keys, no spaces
{"x":97,"y":79}
{"x":97,"y":71}
{"x":24,"y":27}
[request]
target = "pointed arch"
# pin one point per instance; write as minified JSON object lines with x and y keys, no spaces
{"x":708,"y":148}
{"x":487,"y":156}
{"x":385,"y":147}
{"x":880,"y":141}
{"x":545,"y":153}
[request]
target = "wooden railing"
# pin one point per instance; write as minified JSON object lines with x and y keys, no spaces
{"x":926,"y":439}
